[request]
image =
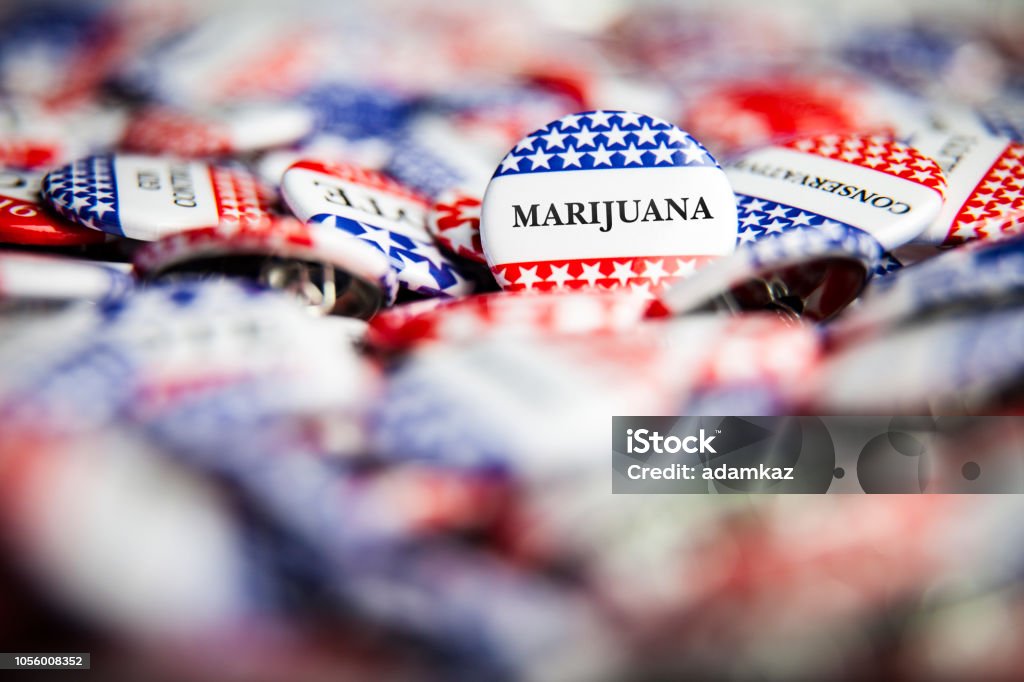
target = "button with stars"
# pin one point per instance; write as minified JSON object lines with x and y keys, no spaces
{"x":146,"y":198}
{"x":24,"y":220}
{"x":313,"y":188}
{"x":606,"y":199}
{"x":871,"y":183}
{"x":985,"y":196}
{"x":418,"y":265}
{"x":328,"y":271}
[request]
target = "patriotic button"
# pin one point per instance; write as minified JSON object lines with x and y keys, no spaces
{"x":353,"y":279}
{"x":418,"y":265}
{"x":513,"y":314}
{"x":147,"y":198}
{"x":454,"y":222}
{"x":807,"y":272}
{"x":238,"y":129}
{"x":985,"y":196}
{"x":23,"y":220}
{"x":32,"y":277}
{"x":608,"y":199}
{"x":313,"y":188}
{"x":885,"y":188}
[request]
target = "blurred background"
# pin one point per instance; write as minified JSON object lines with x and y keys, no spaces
{"x":201,"y":481}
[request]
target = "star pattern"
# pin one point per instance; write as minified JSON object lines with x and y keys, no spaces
{"x":644,"y":274}
{"x":604,"y":139}
{"x":85,"y":193}
{"x":761,"y":219}
{"x":455,"y":224}
{"x":877,"y":153}
{"x":241,"y":198}
{"x":419,"y":267}
{"x":996,"y":206}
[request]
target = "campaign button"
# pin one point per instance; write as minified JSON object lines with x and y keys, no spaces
{"x":985,"y":175}
{"x":144,"y":197}
{"x":330,"y":272}
{"x":808,"y":272}
{"x":418,"y":265}
{"x":889,"y":190}
{"x":23,"y":220}
{"x":609,"y":199}
{"x":228,"y":130}
{"x":454,"y":222}
{"x":313,"y":188}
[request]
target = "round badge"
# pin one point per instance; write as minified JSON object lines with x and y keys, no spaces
{"x":609,"y":199}
{"x":229,"y":130}
{"x":313,"y":188}
{"x":887,"y":189}
{"x":23,"y":220}
{"x":330,"y":272}
{"x":147,"y":198}
{"x":986,"y":178}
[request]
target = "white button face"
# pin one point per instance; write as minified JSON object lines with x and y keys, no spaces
{"x":314,"y":189}
{"x":885,"y":188}
{"x":606,"y":199}
{"x":986,"y":178}
{"x":147,"y":198}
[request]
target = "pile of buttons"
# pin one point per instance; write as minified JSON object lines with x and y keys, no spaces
{"x":313,"y":321}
